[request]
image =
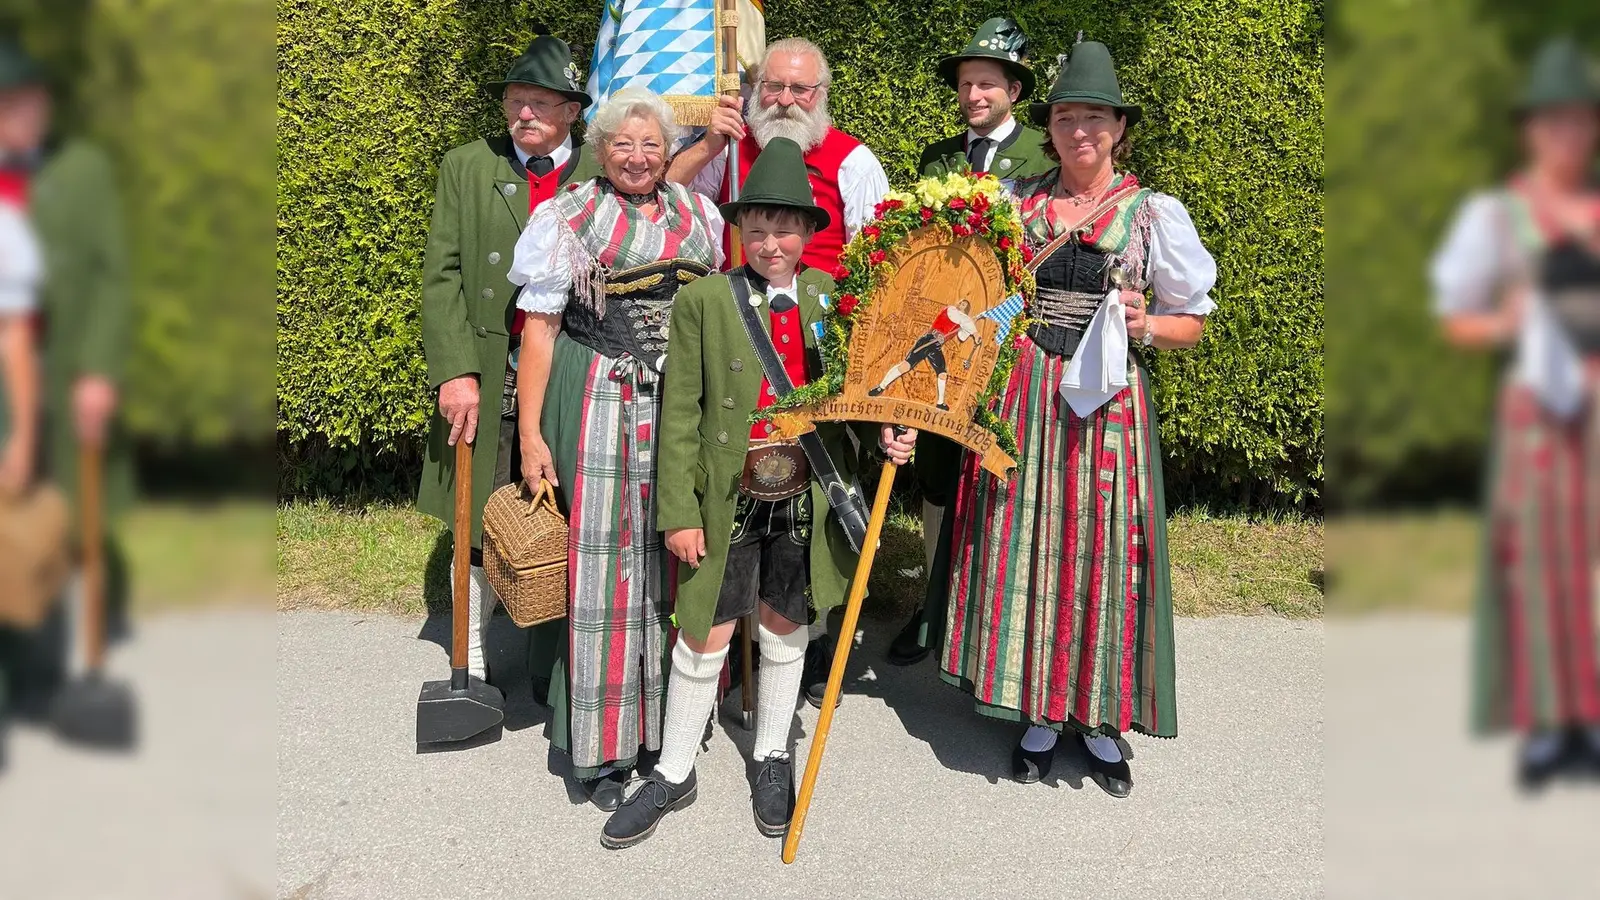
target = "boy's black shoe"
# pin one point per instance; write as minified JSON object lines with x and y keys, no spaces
{"x":637,"y":817}
{"x":772,"y":797}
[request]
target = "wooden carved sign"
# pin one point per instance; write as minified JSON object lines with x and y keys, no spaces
{"x":922,"y":353}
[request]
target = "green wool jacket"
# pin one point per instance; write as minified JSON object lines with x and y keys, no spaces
{"x":712,"y":384}
{"x":1021,"y":155}
{"x":479,"y":210}
{"x":76,"y":213}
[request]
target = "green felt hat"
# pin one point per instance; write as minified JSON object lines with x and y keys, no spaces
{"x":1561,"y":74}
{"x":1000,"y":39}
{"x":547,"y":63}
{"x":1087,"y":76}
{"x":17,"y":68}
{"x":778,"y":178}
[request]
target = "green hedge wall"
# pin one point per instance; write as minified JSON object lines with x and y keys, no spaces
{"x":372,"y":94}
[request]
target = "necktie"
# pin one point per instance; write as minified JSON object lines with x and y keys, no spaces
{"x":978,"y":154}
{"x":541,"y":166}
{"x":780,"y":303}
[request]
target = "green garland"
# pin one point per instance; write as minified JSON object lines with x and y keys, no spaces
{"x":956,"y":205}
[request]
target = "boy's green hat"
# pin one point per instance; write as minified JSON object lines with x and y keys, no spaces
{"x":1561,"y":75}
{"x":17,"y":68}
{"x":778,"y":178}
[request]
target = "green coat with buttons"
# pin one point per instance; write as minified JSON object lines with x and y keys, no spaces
{"x":1021,"y":156}
{"x":479,"y":210}
{"x":712,"y":385}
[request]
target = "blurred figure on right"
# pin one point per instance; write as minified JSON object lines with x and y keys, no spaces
{"x":1520,"y":269}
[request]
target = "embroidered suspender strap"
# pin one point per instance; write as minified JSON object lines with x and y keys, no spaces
{"x":845,"y":502}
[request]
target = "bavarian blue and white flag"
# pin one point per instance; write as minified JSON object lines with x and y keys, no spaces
{"x":669,"y":47}
{"x":1002,"y":315}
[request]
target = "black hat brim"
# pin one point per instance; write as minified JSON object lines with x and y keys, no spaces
{"x":1040,"y":112}
{"x":497,"y":90}
{"x":949,"y":65}
{"x":820,"y":217}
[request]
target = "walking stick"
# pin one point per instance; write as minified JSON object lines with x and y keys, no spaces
{"x":462,"y":706}
{"x":747,"y":693}
{"x":852,"y":612}
{"x":94,"y":711}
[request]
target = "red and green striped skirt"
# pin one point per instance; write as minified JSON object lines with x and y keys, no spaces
{"x":1060,"y":603}
{"x":1534,"y":628}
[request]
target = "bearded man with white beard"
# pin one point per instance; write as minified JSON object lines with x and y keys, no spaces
{"x":471,"y":328}
{"x":791,"y":101}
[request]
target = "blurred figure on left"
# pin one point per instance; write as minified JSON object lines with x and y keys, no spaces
{"x":23,"y":112}
{"x":471,"y":328}
{"x":1521,"y":269}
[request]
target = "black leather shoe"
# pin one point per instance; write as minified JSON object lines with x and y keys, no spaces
{"x":1534,"y":775}
{"x":636,"y":819}
{"x":1115,"y":778}
{"x":772,"y":797}
{"x":605,"y":792}
{"x":814,"y":674}
{"x":1029,"y":766}
{"x":905,"y":649}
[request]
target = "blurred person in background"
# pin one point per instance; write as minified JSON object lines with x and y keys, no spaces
{"x":71,"y":195}
{"x":22,"y":116}
{"x":1520,"y":269}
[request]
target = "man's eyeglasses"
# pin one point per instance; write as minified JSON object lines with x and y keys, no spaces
{"x":800,"y":92}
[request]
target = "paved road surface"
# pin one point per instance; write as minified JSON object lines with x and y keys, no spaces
{"x":914,"y":801}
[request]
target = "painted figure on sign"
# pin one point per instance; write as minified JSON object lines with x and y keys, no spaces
{"x":952,"y":323}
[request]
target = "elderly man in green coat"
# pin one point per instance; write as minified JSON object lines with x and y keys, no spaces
{"x":989,"y":77}
{"x":471,"y":327}
{"x":72,"y":200}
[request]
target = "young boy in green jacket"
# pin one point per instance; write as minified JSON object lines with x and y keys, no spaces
{"x":740,"y":511}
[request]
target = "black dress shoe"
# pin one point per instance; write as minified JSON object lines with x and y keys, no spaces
{"x":605,"y":792}
{"x":906,"y":649}
{"x":814,"y":673}
{"x":772,"y":797}
{"x":1533,"y":775}
{"x":636,"y":819}
{"x":1029,"y":766}
{"x":1115,"y":778}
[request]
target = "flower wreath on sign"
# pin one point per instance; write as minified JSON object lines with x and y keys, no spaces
{"x":958,"y":205}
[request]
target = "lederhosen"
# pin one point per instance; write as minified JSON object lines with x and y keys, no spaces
{"x":769,"y":555}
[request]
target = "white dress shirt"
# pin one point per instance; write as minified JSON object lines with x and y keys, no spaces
{"x":559,"y":155}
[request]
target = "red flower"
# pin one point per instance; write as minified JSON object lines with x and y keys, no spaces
{"x":871,"y":231}
{"x":980,"y":202}
{"x":1027,"y":253}
{"x":892,"y":204}
{"x":840,"y":273}
{"x":927,"y":214}
{"x":960,"y":230}
{"x":877,"y":211}
{"x":1004,"y":243}
{"x":957,"y":203}
{"x":847,"y":304}
{"x":977,"y":221}
{"x":876,"y":257}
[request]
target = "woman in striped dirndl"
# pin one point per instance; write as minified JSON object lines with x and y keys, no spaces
{"x":600,"y":265}
{"x":1060,"y":609}
{"x":1522,"y":266}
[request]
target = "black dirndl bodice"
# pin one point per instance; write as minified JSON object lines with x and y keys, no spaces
{"x":1569,"y":274}
{"x":1072,"y":285}
{"x":638,"y":312}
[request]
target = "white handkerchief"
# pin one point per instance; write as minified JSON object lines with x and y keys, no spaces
{"x":1099,"y":368}
{"x":1547,"y":362}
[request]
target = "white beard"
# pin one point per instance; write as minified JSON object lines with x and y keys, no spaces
{"x":804,"y":128}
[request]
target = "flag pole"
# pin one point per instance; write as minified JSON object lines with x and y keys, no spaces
{"x":728,"y":21}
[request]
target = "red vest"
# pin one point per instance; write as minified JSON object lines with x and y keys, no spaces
{"x":540,"y":189}
{"x":822,"y":164}
{"x":789,"y":338}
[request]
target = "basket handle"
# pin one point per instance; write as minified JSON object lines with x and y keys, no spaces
{"x":546,"y":493}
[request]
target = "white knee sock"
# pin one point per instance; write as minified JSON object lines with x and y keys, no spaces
{"x":1038,"y":739}
{"x":691,"y":692}
{"x":782,"y":661}
{"x":481,"y":600}
{"x":932,"y":519}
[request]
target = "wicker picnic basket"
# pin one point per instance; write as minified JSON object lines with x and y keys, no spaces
{"x":525,"y":552}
